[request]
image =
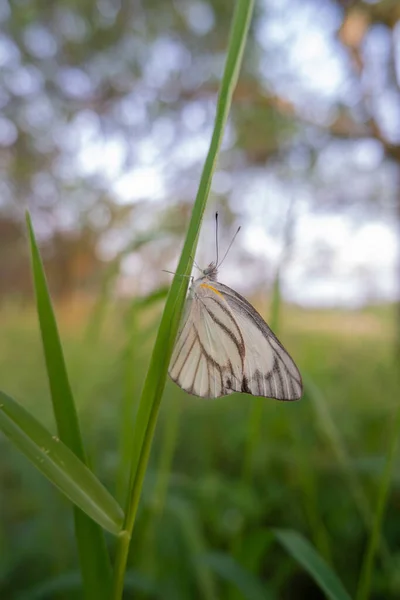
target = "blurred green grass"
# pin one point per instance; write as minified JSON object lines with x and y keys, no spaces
{"x":297,"y":479}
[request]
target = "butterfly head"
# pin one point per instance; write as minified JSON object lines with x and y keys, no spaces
{"x":211,"y":271}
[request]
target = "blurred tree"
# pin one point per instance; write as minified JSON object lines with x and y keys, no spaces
{"x":90,"y":92}
{"x":368,"y":34}
{"x":378,"y":81}
{"x":106,"y":104}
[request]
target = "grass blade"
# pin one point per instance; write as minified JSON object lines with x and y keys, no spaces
{"x":338,"y":446}
{"x":167,"y":451}
{"x":363,"y":591}
{"x":129,"y":402}
{"x":257,"y":407}
{"x":157,"y":373}
{"x":306,"y":556}
{"x":95,"y":564}
{"x":255,"y":418}
{"x":308,"y":483}
{"x":195,"y":542}
{"x":56,"y":461}
{"x":61,"y":394}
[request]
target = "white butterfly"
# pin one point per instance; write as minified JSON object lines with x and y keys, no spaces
{"x":225,"y":346}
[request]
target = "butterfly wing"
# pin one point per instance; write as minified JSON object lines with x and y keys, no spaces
{"x":225,"y":346}
{"x":268,"y":369}
{"x":199,"y":352}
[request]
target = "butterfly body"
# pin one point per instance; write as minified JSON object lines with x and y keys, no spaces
{"x":225,"y":346}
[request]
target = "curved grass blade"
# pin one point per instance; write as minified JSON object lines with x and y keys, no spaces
{"x":364,"y":586}
{"x":61,"y":394}
{"x":56,"y":461}
{"x":156,"y":376}
{"x":94,"y":559}
{"x":129,"y":402}
{"x":196,"y":546}
{"x":306,"y":556}
{"x":334,"y":437}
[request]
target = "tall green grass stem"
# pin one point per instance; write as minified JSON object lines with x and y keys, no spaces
{"x":128,"y":406}
{"x":254,"y":422}
{"x":364,"y":587}
{"x":335,"y":439}
{"x":167,"y":450}
{"x":155,"y":380}
{"x":257,"y":407}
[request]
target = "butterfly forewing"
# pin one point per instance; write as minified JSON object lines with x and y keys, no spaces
{"x":225,"y":346}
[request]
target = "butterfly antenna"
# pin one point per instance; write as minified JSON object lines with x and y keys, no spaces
{"x":174,"y":273}
{"x":216,"y":236}
{"x":195,"y":264}
{"x":230,"y":245}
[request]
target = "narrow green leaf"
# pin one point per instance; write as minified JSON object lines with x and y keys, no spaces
{"x":61,"y":394}
{"x":306,"y":556}
{"x":229,"y":569}
{"x":130,"y":380}
{"x":196,"y":546}
{"x":156,"y":376}
{"x":254,"y":426}
{"x":166,"y":453}
{"x":94,"y":559}
{"x":55,"y":460}
{"x":337,"y":443}
{"x":367,"y":569}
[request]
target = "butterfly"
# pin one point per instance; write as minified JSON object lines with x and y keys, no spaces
{"x":225,"y":346}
